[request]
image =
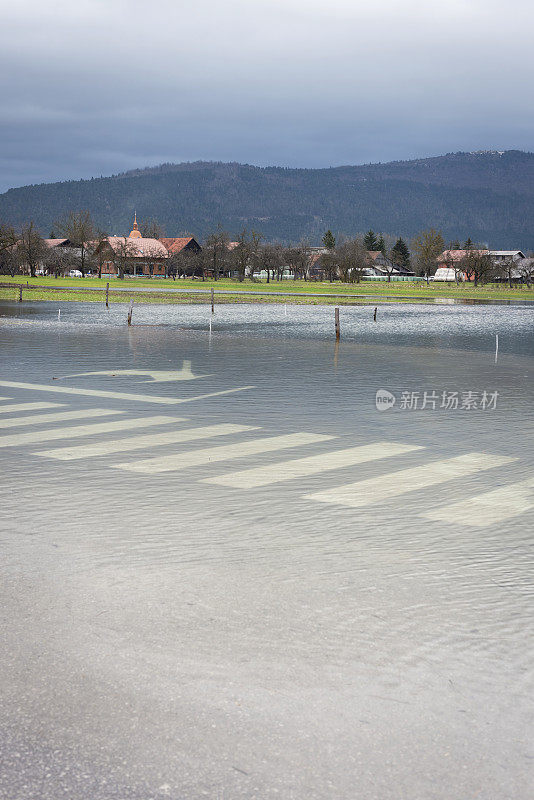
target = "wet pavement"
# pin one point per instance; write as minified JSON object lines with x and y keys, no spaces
{"x":227,"y":574}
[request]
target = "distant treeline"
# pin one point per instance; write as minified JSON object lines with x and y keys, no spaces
{"x":78,"y":244}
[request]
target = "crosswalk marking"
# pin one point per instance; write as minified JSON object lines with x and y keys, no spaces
{"x":310,"y":465}
{"x":144,"y":398}
{"x":375,"y":490}
{"x":33,"y":437}
{"x":17,"y":407}
{"x":61,"y":416}
{"x":194,"y":458}
{"x":488,"y":508}
{"x":142,"y":441}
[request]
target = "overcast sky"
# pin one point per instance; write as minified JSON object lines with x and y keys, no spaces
{"x":95,"y":87}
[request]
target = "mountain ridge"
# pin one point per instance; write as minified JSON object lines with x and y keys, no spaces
{"x":487,"y":195}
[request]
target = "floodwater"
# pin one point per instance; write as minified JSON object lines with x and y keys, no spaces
{"x":226,"y":574}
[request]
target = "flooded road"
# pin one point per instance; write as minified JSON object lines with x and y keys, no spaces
{"x":226,"y":573}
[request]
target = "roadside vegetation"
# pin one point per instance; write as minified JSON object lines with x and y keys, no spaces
{"x":176,"y":291}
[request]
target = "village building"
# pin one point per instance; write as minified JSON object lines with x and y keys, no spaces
{"x":380,"y":265}
{"x":62,"y":254}
{"x":53,"y":243}
{"x":132,"y":255}
{"x":505,"y":256}
{"x":180,"y":244}
{"x":450,"y":263}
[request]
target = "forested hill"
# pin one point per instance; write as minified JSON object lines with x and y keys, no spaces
{"x":488,"y":196}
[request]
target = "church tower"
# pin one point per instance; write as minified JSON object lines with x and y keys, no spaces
{"x":135,"y":233}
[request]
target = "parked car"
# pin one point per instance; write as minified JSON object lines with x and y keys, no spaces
{"x":75,"y":273}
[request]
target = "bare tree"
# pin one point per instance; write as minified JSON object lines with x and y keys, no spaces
{"x":31,"y":248}
{"x":360,"y":259}
{"x":391,"y":264}
{"x":300,"y":259}
{"x":427,"y":246}
{"x":255,"y":243}
{"x":525,"y":268}
{"x":78,"y":227}
{"x":293,"y":260}
{"x":58,"y":261}
{"x":352,"y":259}
{"x":453,"y":262}
{"x":216,"y":250}
{"x":242,"y":255}
{"x":306,"y":259}
{"x":507,"y":269}
{"x":185,"y":263}
{"x":9,"y":239}
{"x":152,"y":229}
{"x":99,"y":254}
{"x":343,"y":261}
{"x":9,"y":262}
{"x":478,"y":266}
{"x":124,"y":250}
{"x":272,"y":259}
{"x":329,"y":264}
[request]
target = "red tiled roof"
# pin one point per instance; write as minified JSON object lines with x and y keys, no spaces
{"x":54,"y":242}
{"x":140,"y":247}
{"x":457,"y":255}
{"x":176,"y":244}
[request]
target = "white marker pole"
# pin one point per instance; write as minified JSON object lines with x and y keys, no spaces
{"x":496,"y":347}
{"x":59,"y":314}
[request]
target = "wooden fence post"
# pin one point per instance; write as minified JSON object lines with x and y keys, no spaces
{"x":338,"y":329}
{"x":212,"y":302}
{"x":20,"y":294}
{"x":107,"y":295}
{"x":130,"y":313}
{"x":374,"y":315}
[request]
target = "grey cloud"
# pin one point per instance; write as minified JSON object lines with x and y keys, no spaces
{"x":97,"y":87}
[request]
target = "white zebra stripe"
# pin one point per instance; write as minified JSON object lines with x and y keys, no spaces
{"x":195,"y":458}
{"x":61,"y":416}
{"x":18,"y":407}
{"x":488,"y":508}
{"x":310,"y":465}
{"x":384,"y":487}
{"x":141,"y":442}
{"x":17,"y":439}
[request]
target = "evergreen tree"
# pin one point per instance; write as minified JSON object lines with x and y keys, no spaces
{"x":401,"y":253}
{"x":455,"y":245}
{"x":370,"y":241}
{"x":381,"y":245}
{"x":329,"y":240}
{"x":468,"y":244}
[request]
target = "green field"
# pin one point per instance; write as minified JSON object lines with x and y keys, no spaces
{"x":82,"y":290}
